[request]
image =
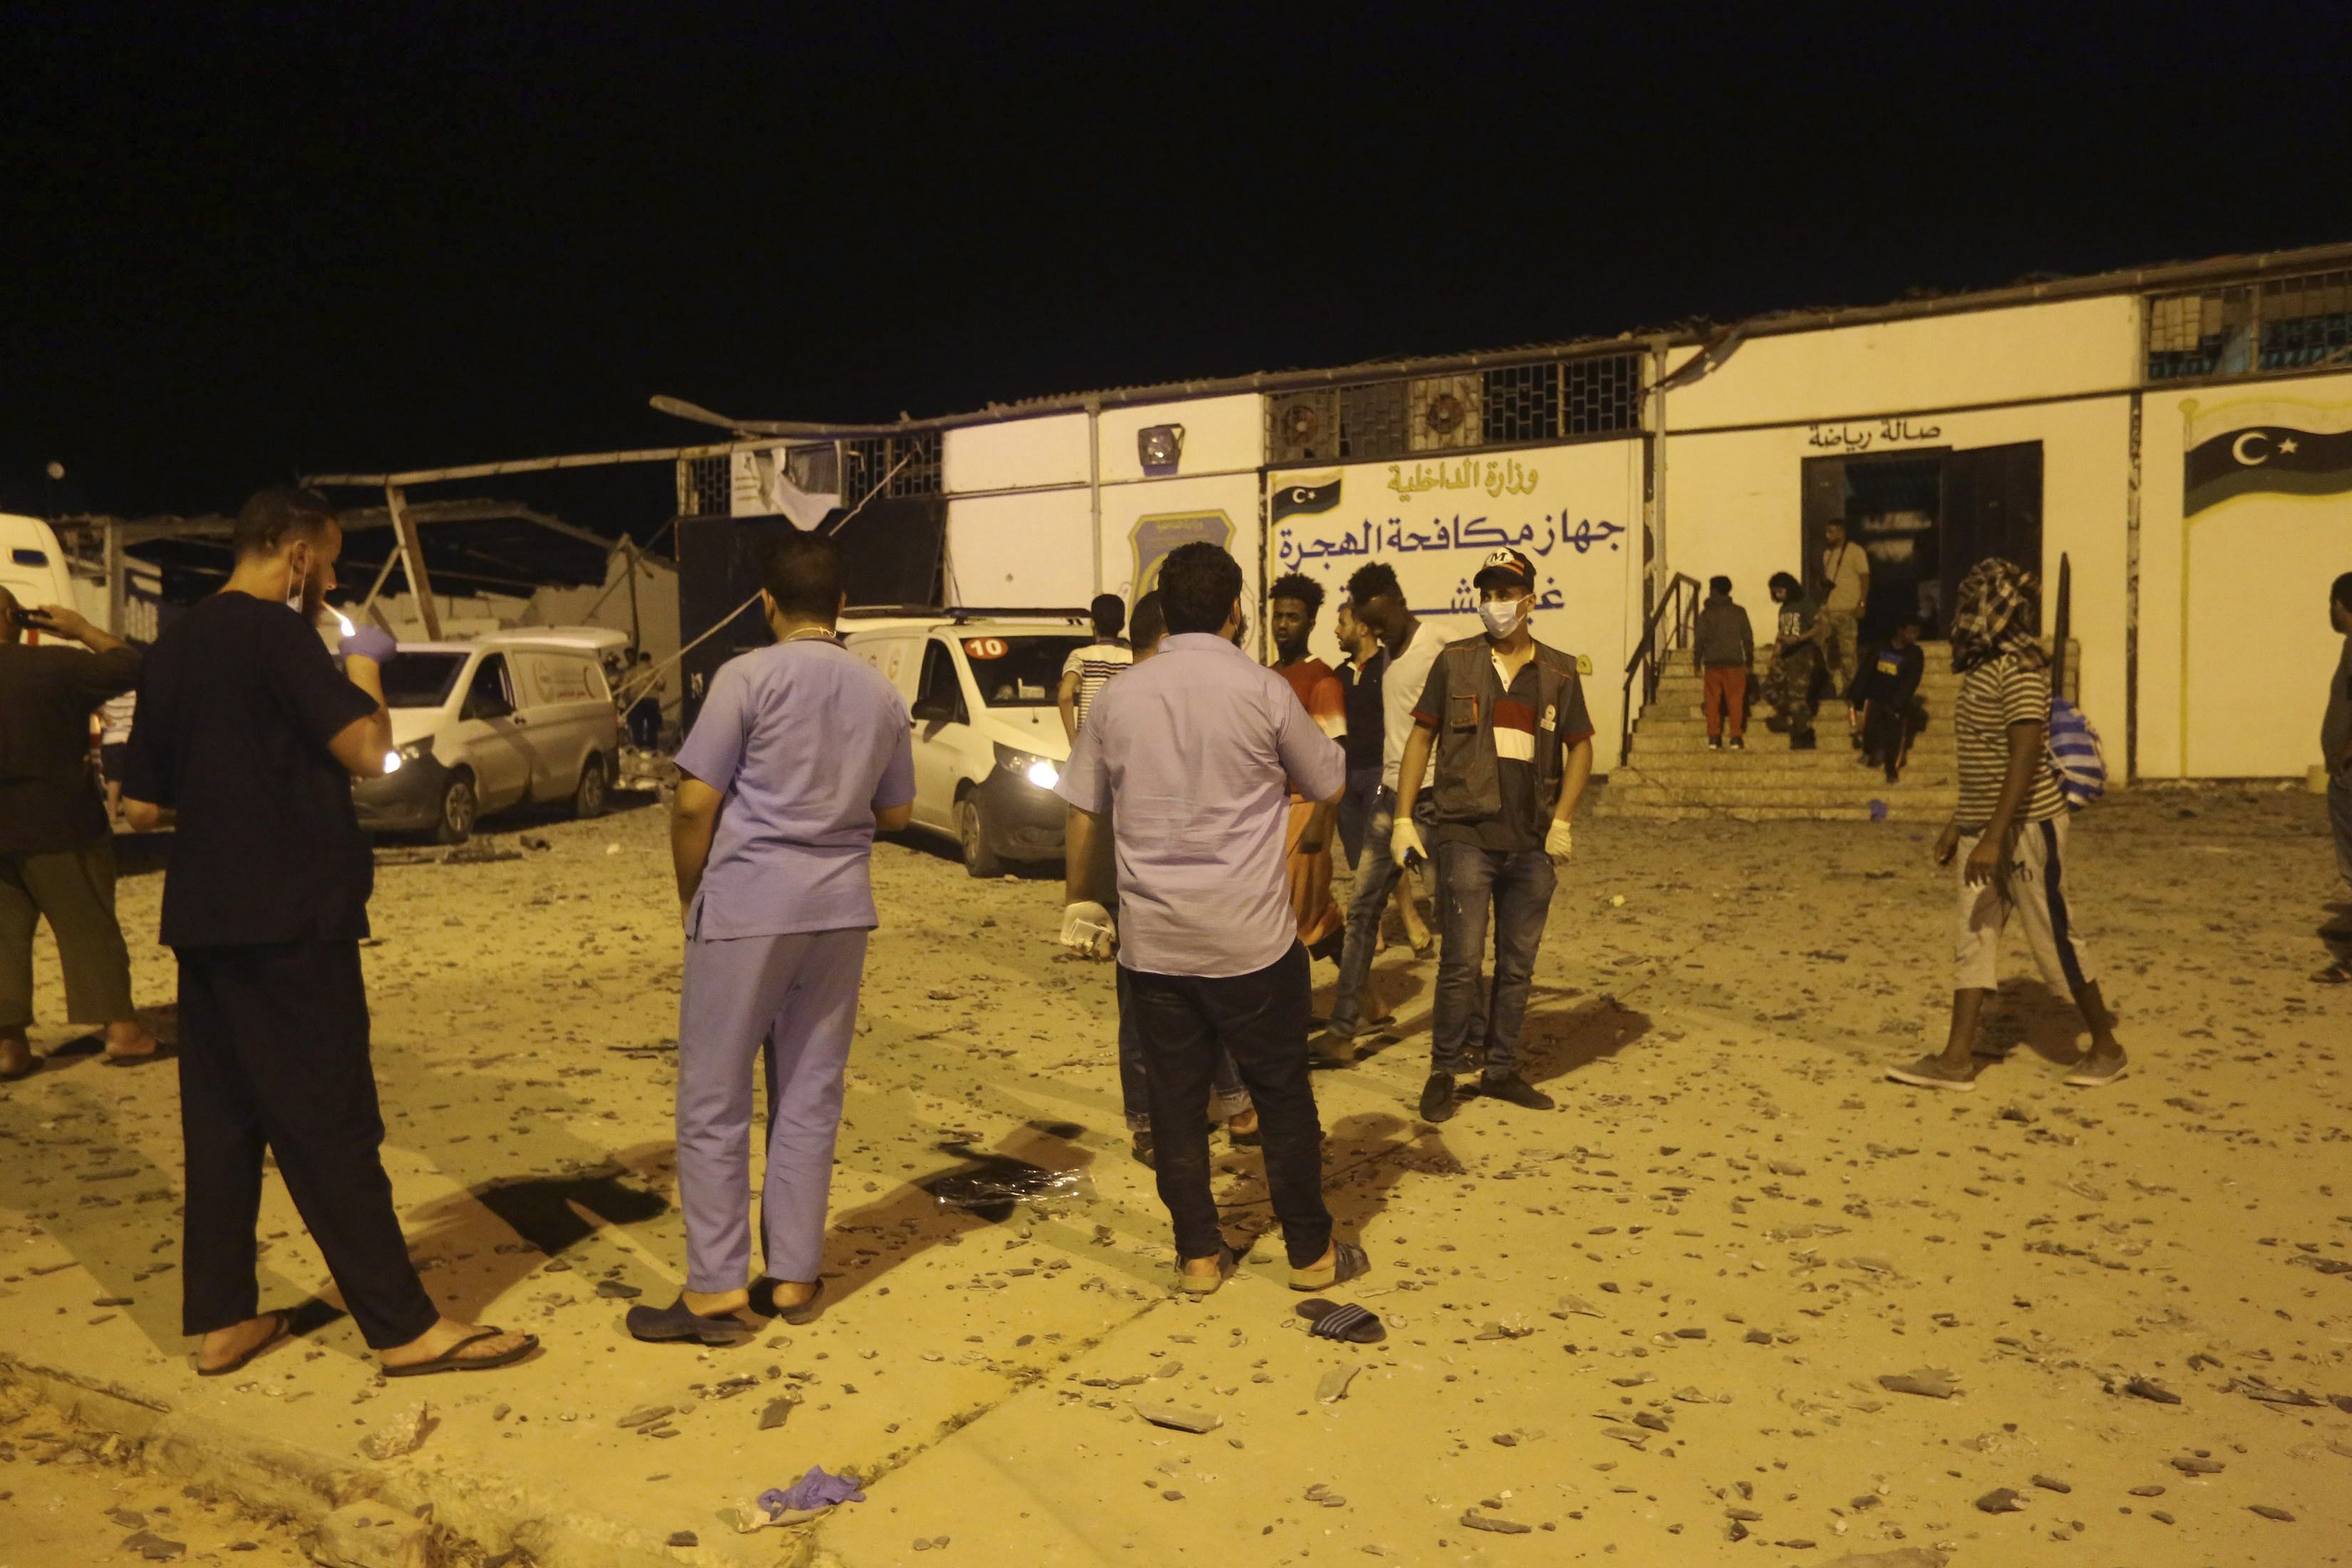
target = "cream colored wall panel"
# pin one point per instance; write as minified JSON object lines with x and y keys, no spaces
{"x":1024,"y":551}
{"x":1020,"y":454}
{"x":1221,"y":435}
{"x":1934,"y":361}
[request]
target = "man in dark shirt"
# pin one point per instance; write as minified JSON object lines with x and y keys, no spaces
{"x":1884,"y":692}
{"x":57,"y":849}
{"x":247,"y":741}
{"x":1504,"y":716}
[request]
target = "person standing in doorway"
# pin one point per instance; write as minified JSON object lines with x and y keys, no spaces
{"x":1411,"y":648}
{"x":1090,"y":930}
{"x":1197,"y":752}
{"x":1503,"y":716}
{"x":248,"y":741}
{"x":1845,"y":592}
{"x":1292,"y":604}
{"x":1796,"y":670}
{"x":799,"y":756}
{"x":56,"y":842}
{"x":1723,"y":650}
{"x":2336,"y":752}
{"x":2009,"y":834}
{"x":1091,"y":665}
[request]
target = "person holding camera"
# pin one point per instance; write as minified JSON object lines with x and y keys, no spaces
{"x":57,"y":850}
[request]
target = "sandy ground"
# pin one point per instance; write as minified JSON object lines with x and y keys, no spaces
{"x":73,"y":1496}
{"x":1651,"y":1325}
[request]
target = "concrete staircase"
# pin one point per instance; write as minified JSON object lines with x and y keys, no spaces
{"x":1673,"y":777}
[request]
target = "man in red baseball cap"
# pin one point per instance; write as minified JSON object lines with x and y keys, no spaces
{"x":1504,"y":716}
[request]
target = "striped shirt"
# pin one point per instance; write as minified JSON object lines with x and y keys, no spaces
{"x":1993,"y":696}
{"x":1094,"y":663}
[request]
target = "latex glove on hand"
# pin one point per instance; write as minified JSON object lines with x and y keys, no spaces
{"x":1089,"y":930}
{"x":372,"y":643}
{"x":1404,"y":842}
{"x":1558,"y":843}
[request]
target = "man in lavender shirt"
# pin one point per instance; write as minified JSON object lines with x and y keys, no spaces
{"x":798,"y":755}
{"x":1199,"y":750}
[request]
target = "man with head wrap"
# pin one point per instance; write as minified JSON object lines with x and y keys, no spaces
{"x":2008,"y":833}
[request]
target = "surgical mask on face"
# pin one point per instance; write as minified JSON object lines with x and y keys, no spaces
{"x":1502,"y":616}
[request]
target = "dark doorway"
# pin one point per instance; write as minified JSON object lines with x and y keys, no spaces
{"x":1925,"y":517}
{"x":1992,"y":505}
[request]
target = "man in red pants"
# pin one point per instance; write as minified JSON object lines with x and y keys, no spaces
{"x":1723,"y":650}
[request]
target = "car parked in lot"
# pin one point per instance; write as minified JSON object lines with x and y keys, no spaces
{"x":982,"y":689}
{"x":479,"y":726}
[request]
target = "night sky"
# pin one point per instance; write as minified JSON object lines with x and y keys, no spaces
{"x":242,"y":243}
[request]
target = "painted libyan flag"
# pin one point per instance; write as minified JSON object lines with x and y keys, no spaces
{"x":1304,"y":498}
{"x":2277,"y":448}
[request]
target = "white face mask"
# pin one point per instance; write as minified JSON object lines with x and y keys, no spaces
{"x":1502,"y":616}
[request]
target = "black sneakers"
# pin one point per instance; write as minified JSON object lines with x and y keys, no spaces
{"x":1437,"y":1100}
{"x":1518,"y":1091}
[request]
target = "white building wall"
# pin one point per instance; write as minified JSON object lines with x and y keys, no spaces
{"x":1019,"y":453}
{"x":1735,"y":506}
{"x":2028,"y":351}
{"x":1029,"y":538}
{"x":2235,"y":645}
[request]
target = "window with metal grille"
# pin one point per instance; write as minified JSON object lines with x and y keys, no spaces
{"x":704,"y":487}
{"x":1600,"y":394}
{"x":2280,"y":324}
{"x":869,"y":462}
{"x":1372,"y":420}
{"x":1522,"y":403}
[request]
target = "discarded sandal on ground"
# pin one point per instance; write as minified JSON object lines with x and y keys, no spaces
{"x":664,"y":1325}
{"x":763,"y":1302}
{"x":278,"y":1326}
{"x":1349,"y":1261}
{"x":1206,"y":1285}
{"x":1348,"y":1323}
{"x":455,"y":1359}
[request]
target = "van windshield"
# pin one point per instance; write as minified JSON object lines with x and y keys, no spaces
{"x":1022,"y":671}
{"x":420,"y":679}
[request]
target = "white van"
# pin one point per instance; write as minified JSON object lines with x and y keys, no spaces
{"x":982,"y":689}
{"x":479,"y":726}
{"x":32,"y":566}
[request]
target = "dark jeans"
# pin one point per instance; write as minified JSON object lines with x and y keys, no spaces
{"x":1227,"y":1097}
{"x":1356,"y":810}
{"x":1261,"y":1019}
{"x":645,"y":723}
{"x":1376,"y":881}
{"x":1516,"y":884}
{"x":274,"y":1055}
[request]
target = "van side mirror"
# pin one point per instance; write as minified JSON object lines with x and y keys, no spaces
{"x":932,"y":710}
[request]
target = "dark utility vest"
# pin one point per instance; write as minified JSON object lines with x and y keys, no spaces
{"x":1468,"y":787}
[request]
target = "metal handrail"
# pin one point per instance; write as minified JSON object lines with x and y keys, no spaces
{"x":1680,"y":600}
